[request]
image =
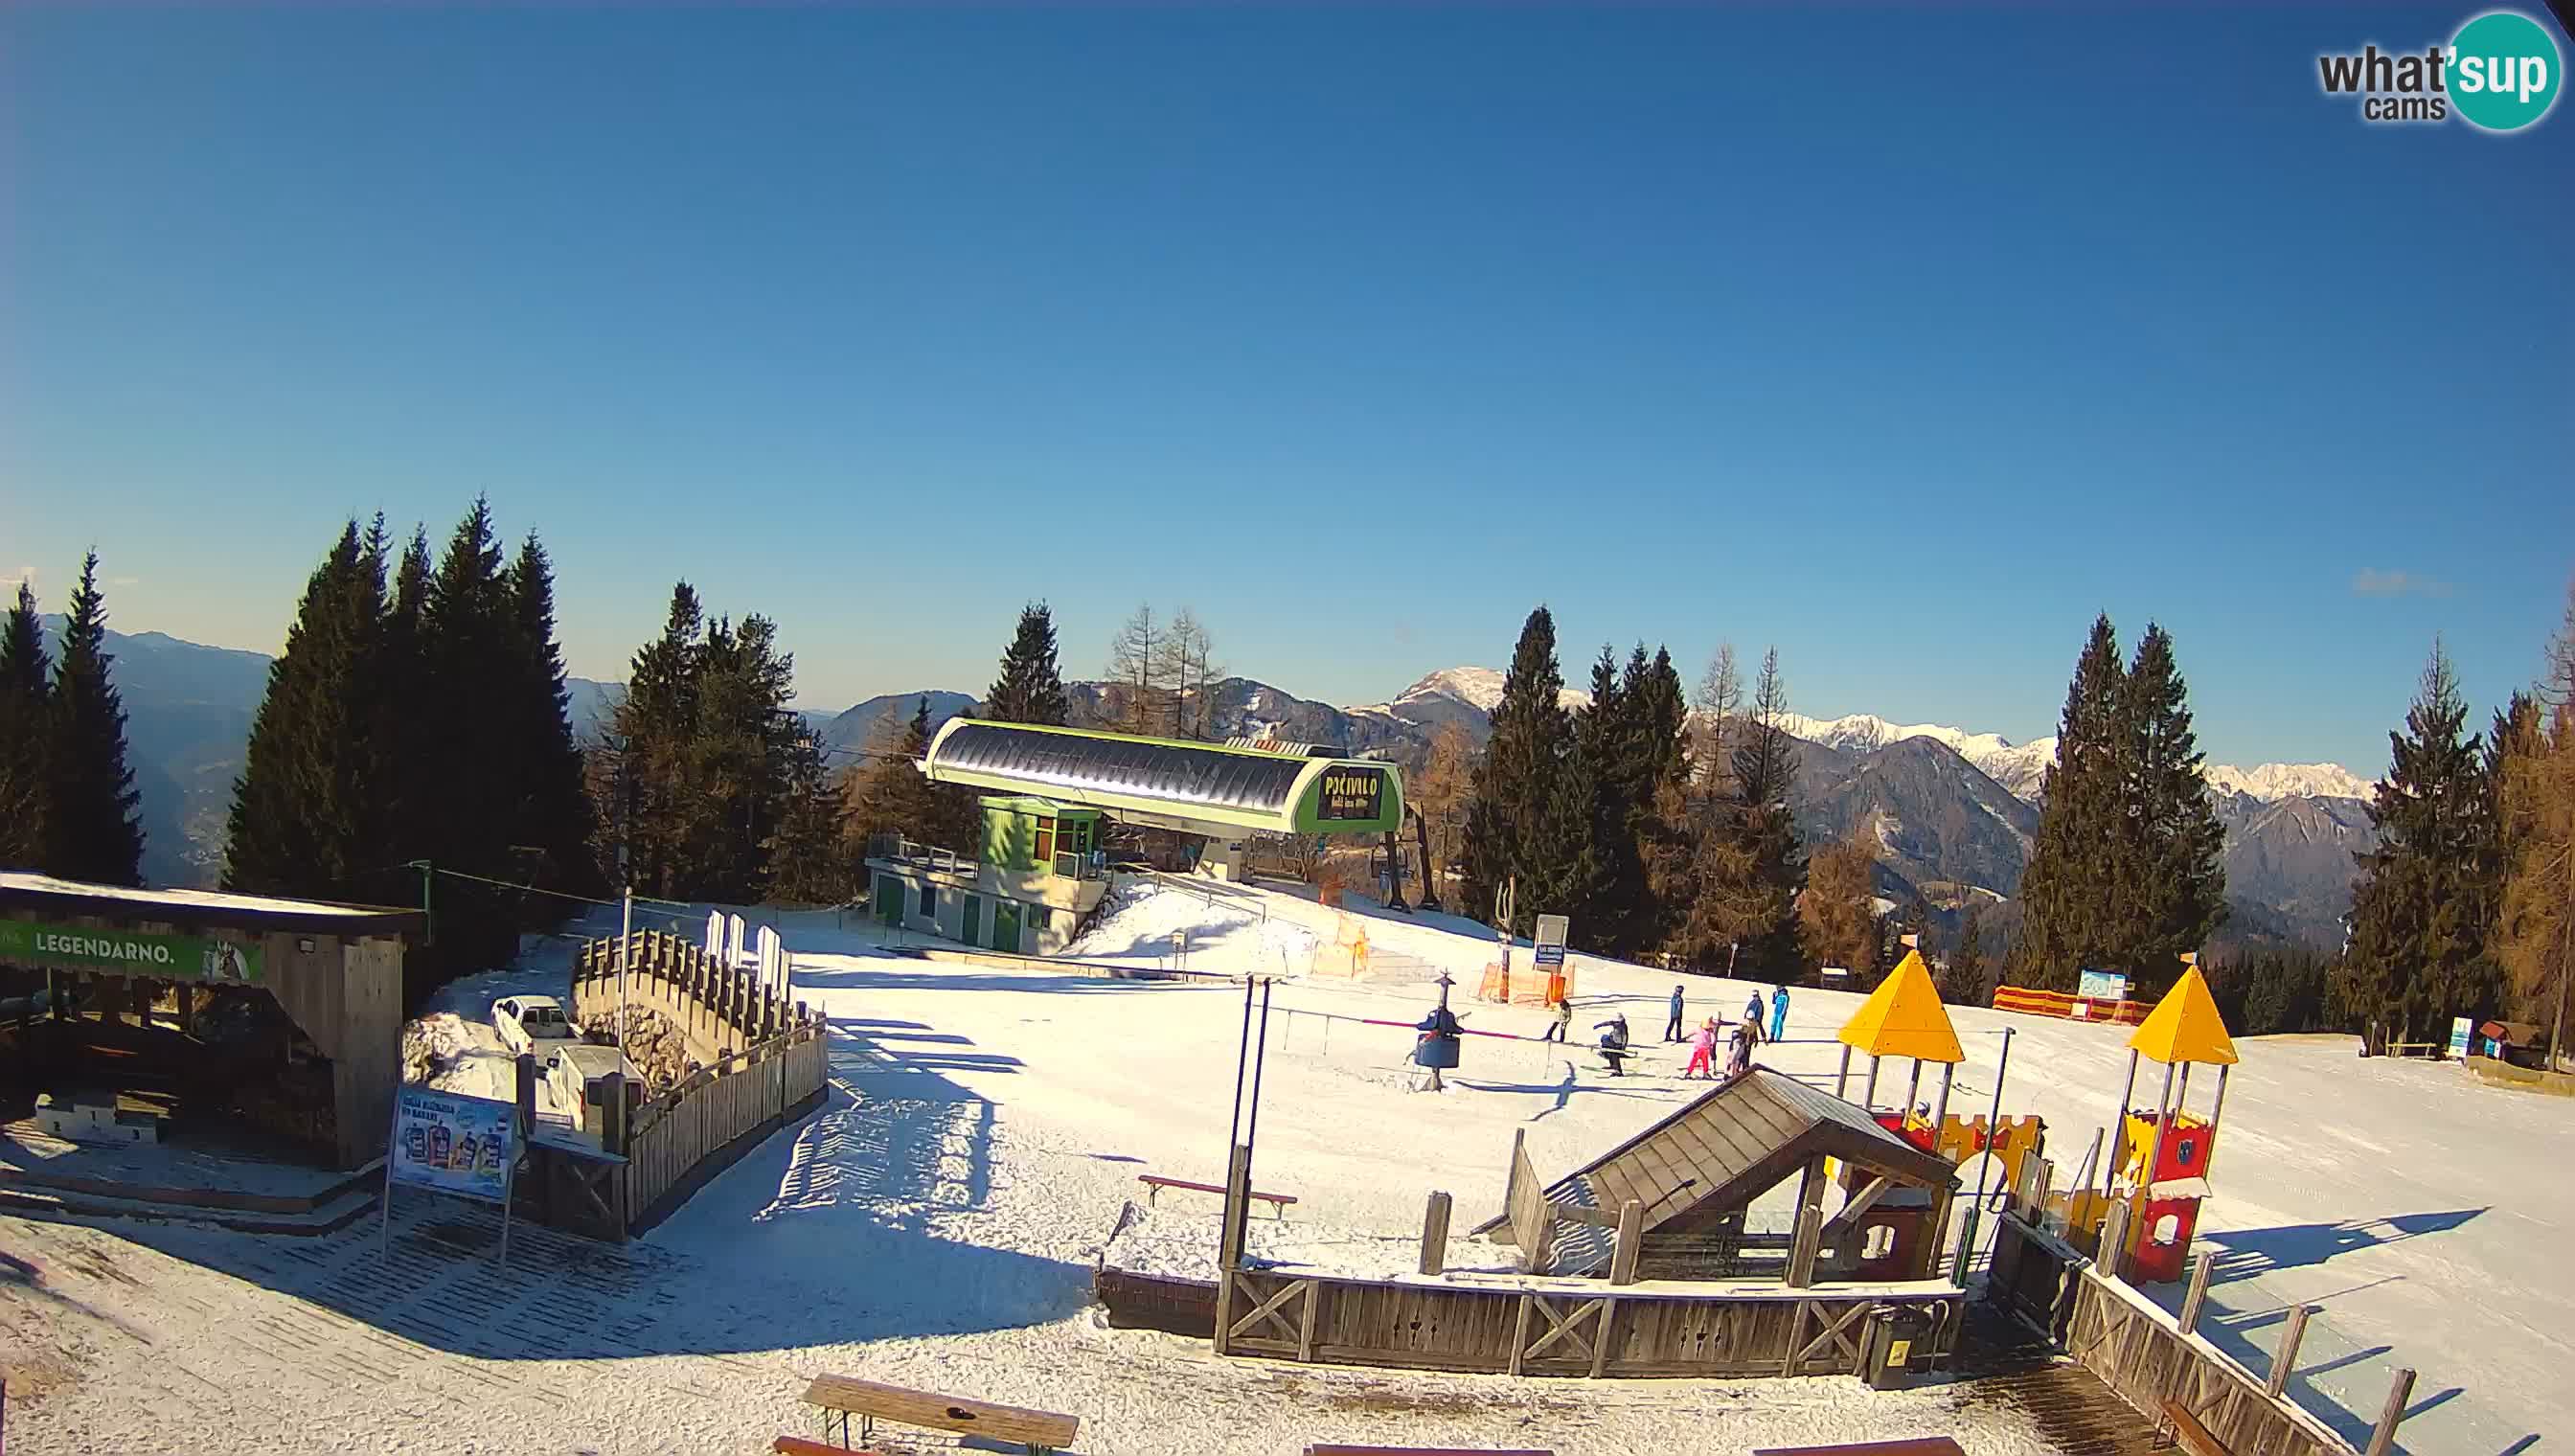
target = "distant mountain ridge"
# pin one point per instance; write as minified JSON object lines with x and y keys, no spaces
{"x":1943,"y":804}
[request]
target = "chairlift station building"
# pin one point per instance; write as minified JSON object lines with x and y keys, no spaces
{"x":1050,"y":792}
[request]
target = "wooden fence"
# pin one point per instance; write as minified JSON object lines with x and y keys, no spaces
{"x":2071,"y":1008}
{"x":766,"y":1066}
{"x":697,"y":1129}
{"x":1581,"y":1328}
{"x":2146,"y":1355}
{"x":2139,"y":1351}
{"x":1530,"y":1215}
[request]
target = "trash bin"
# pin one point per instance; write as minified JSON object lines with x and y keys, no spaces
{"x":1896,"y":1347}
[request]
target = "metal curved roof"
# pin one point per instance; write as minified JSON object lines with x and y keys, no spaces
{"x":1202,"y":776}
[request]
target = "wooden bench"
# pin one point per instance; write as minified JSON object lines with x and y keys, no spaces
{"x":2432,"y":1050}
{"x":800,"y":1446}
{"x":1914,"y":1446}
{"x":1417,"y":1451}
{"x":1038,"y":1431}
{"x":1155,"y":1182}
{"x":2189,"y":1434}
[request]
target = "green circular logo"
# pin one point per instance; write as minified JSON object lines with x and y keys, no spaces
{"x":2504,"y":71}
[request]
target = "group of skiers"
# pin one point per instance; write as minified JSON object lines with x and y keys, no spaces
{"x":1440,"y":1031}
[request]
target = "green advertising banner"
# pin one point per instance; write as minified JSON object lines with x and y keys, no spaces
{"x":131,"y":953}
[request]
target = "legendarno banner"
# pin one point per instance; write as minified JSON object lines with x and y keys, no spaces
{"x":131,"y":953}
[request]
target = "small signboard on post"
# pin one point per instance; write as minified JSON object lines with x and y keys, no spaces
{"x":2101,"y":985}
{"x":2461,"y":1028}
{"x":1551,"y":941}
{"x":452,"y":1144}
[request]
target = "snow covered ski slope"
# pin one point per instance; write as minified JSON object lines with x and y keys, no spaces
{"x":936,"y":1224}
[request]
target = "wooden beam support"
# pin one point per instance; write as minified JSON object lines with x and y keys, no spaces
{"x":1519,"y":1334}
{"x":1861,"y":1202}
{"x":1434,"y":1234}
{"x":1600,"y":1336}
{"x":1810,"y":1225}
{"x":2198,"y":1295}
{"x":1306,"y":1320}
{"x":1631,"y":1240}
{"x":2399,"y":1391}
{"x":2284,"y":1361}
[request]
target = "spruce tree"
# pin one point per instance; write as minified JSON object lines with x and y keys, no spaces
{"x":810,"y":853}
{"x":472,"y":766}
{"x":307,"y":814}
{"x":645,"y":785}
{"x":1600,"y":883}
{"x":2070,"y":892}
{"x":1962,"y":980}
{"x":1516,"y":803}
{"x":1031,"y":686}
{"x":554,"y":814}
{"x":2175,"y":848}
{"x":92,"y":830}
{"x":403,"y":714}
{"x":2425,"y":903}
{"x":26,"y":732}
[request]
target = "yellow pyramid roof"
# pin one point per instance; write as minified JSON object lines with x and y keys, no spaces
{"x":2185,"y":1027}
{"x":1904,"y":1017}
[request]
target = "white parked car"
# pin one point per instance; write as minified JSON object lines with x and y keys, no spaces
{"x":532,"y":1023}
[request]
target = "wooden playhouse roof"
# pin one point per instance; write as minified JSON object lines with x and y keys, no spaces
{"x":1904,"y":1017}
{"x":1726,"y":1148}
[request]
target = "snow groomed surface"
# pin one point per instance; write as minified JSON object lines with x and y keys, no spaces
{"x":939,"y":1225}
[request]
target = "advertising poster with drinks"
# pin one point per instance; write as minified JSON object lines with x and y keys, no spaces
{"x":452,"y":1143}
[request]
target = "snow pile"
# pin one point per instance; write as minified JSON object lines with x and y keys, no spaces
{"x":445,"y":1051}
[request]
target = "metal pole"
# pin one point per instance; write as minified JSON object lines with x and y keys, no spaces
{"x":1841,"y":1078}
{"x":2155,"y":1146}
{"x":1912,"y":1088}
{"x":625,"y":935}
{"x":1261,"y":1059}
{"x":2119,"y":1117}
{"x":2565,"y":968}
{"x":2209,"y":1153}
{"x":1241,"y":1060}
{"x":1993,"y":1124}
{"x":1940,"y":1109}
{"x":1868,"y":1094}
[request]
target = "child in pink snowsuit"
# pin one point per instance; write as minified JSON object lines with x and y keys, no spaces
{"x":1702,"y":1063}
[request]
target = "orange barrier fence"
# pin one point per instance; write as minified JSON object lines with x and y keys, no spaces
{"x":2070,"y":1008}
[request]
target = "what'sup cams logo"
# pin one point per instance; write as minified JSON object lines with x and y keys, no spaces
{"x":2500,"y":73}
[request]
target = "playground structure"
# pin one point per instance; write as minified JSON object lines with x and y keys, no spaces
{"x":1905,"y":1017}
{"x":2140,"y":1217}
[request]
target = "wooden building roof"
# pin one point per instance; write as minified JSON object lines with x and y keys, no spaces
{"x":1728,"y":1147}
{"x":27,"y":894}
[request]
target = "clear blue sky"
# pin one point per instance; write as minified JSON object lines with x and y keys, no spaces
{"x":1905,"y":342}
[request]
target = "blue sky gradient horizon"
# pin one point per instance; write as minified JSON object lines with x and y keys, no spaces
{"x":1903,"y":340}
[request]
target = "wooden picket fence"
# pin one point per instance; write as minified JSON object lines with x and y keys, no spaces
{"x":689,"y":1134}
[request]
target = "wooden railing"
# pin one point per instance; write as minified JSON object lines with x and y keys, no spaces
{"x":718,"y":1007}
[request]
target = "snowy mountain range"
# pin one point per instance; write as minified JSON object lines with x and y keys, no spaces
{"x":2019,"y":768}
{"x":1944,"y":804}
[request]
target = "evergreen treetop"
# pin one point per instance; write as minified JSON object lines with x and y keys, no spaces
{"x":92,"y":828}
{"x":1031,"y":686}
